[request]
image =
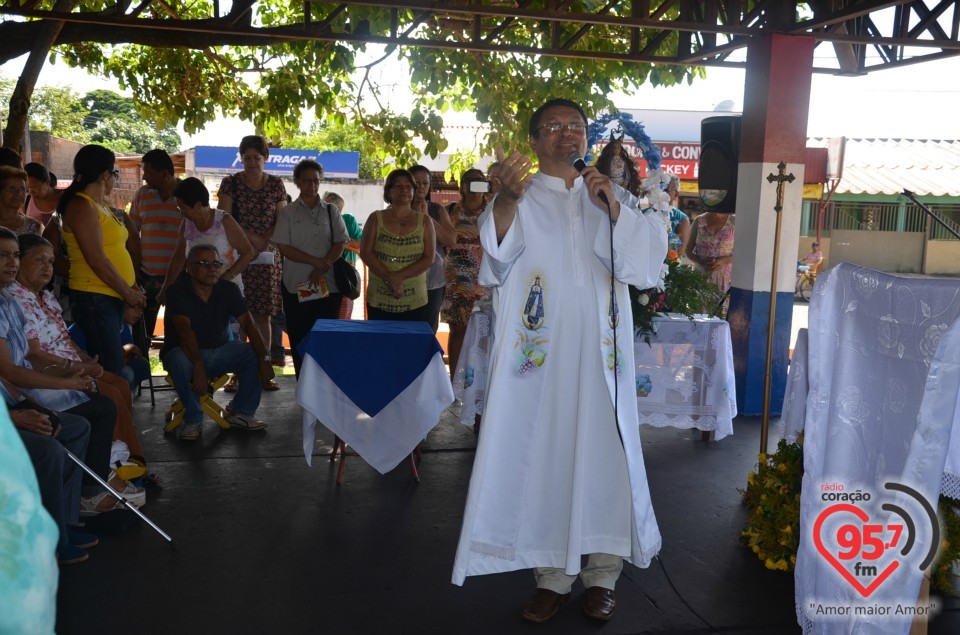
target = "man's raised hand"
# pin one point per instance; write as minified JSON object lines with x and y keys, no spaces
{"x":515,"y":174}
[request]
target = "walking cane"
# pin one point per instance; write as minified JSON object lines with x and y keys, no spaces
{"x":116,"y":495}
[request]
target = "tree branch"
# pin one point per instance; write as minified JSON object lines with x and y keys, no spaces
{"x":19,"y":37}
{"x":23,"y":92}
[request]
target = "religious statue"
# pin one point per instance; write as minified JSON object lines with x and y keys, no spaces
{"x":616,"y":163}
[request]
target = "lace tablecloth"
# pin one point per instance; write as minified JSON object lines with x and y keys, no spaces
{"x":470,"y":378}
{"x":684,"y":377}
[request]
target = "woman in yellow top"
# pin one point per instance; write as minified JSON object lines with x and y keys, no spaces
{"x":102,"y":275}
{"x":397,"y":247}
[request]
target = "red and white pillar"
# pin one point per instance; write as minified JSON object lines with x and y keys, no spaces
{"x":774,"y":129}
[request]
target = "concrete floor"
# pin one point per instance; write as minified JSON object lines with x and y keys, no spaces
{"x":265,"y":544}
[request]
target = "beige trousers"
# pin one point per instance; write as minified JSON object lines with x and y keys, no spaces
{"x":602,"y":570}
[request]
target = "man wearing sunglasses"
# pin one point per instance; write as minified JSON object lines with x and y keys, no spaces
{"x":197,"y":350}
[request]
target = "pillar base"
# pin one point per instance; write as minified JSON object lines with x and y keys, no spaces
{"x":749,"y":320}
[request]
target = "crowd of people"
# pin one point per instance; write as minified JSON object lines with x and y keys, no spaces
{"x":75,"y":274}
{"x":83,"y":282}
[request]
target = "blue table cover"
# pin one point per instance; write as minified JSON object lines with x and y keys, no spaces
{"x":371,"y":361}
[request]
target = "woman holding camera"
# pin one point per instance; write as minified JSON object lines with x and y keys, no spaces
{"x":463,"y":261}
{"x":446,"y":238}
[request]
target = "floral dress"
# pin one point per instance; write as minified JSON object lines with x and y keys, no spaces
{"x":256,"y":211}
{"x":463,"y":267}
{"x":717,"y":244}
{"x":43,"y":321}
{"x":28,"y":225}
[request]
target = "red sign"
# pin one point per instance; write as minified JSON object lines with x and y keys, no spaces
{"x":679,"y":151}
{"x":686,"y":170}
{"x":681,"y":158}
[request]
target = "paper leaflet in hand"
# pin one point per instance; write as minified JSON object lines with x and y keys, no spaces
{"x":307,"y":291}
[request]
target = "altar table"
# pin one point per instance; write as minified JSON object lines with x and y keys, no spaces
{"x":684,"y":376}
{"x":380,"y":386}
{"x":874,"y":386}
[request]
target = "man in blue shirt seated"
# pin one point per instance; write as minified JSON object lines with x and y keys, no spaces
{"x":196,"y":348}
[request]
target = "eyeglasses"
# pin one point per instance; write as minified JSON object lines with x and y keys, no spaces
{"x":13,"y":189}
{"x":212,"y":264}
{"x":116,"y":173}
{"x":554,"y":128}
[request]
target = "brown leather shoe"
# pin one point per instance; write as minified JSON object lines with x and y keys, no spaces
{"x":599,"y":603}
{"x":543,"y":605}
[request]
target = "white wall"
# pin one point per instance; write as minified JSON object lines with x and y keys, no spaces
{"x":362,"y":198}
{"x":893,"y":252}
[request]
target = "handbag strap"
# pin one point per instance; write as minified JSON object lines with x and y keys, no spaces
{"x":330,"y":215}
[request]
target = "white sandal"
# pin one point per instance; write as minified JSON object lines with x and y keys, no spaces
{"x":89,"y":504}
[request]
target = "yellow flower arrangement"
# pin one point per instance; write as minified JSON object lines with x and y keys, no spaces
{"x":773,"y":500}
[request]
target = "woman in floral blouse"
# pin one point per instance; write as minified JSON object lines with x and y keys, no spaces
{"x":463,"y":264}
{"x":254,"y":199}
{"x":50,"y":345}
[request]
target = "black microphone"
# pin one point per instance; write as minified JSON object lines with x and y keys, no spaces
{"x":579,"y":165}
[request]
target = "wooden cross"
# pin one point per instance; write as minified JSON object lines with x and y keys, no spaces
{"x":781,"y":177}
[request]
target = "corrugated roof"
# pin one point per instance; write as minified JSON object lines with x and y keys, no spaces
{"x":889,"y":166}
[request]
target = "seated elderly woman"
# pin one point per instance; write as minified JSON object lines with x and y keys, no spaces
{"x":71,"y":391}
{"x":50,"y":345}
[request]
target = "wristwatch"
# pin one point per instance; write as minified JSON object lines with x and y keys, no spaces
{"x":266,"y":358}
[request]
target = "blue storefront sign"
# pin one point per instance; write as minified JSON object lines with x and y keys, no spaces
{"x":336,"y":164}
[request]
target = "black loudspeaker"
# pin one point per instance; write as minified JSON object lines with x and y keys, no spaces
{"x":719,"y":157}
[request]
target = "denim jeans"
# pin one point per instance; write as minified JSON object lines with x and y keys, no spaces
{"x":100,"y":317}
{"x":233,"y":357}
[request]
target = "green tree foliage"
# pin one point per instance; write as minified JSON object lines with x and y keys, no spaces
{"x":113,"y":120}
{"x":54,"y":109}
{"x":100,"y":116}
{"x":269,"y":77}
{"x":351,"y":137}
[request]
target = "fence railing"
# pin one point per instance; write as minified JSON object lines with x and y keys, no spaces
{"x":889,"y":217}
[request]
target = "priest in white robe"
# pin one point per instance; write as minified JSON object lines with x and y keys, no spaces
{"x":559,"y":473}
